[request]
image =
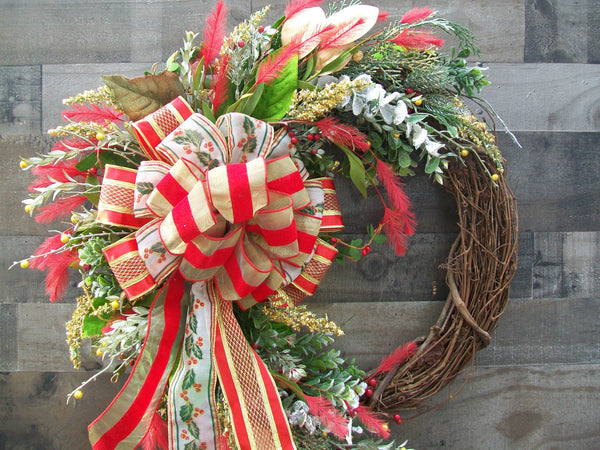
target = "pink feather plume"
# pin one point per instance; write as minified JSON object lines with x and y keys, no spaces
{"x":416,"y":15}
{"x":340,"y":133}
{"x":372,"y":421}
{"x":417,"y":40}
{"x":214,"y":33}
{"x":298,"y":5}
{"x":100,"y":114}
{"x":329,"y":416}
{"x":399,"y":356}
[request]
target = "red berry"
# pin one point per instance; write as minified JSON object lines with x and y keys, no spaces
{"x":294,"y":140}
{"x":369,"y":392}
{"x":93,"y":171}
{"x":334,"y":240}
{"x":316,"y":136}
{"x":261,"y":29}
{"x":418,"y":93}
{"x":314,"y":151}
{"x":309,"y":136}
{"x":291,"y":133}
{"x":397,"y":418}
{"x":366,"y":250}
{"x":241,"y":44}
{"x":410,"y":91}
{"x":86,"y":267}
{"x":372,"y":382}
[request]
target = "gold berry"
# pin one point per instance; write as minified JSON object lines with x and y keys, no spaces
{"x":99,"y":352}
{"x":74,"y":219}
{"x":24,"y":264}
{"x":115,"y":304}
{"x":64,"y":238}
{"x":357,"y":56}
{"x":27,"y":209}
{"x":99,"y":136}
{"x":464,"y":152}
{"x":23,"y":164}
{"x":78,"y":394}
{"x":418,"y":102}
{"x":495,"y":177}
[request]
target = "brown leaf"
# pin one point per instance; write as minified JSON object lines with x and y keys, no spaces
{"x":141,"y":96}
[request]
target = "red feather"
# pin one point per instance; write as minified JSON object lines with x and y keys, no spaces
{"x":70,"y":144}
{"x":57,"y":276}
{"x":399,"y":356}
{"x":416,"y":15}
{"x":372,"y":421}
{"x":214,"y":33}
{"x":157,"y":436}
{"x":59,"y":208}
{"x":100,"y":114}
{"x":338,"y":37}
{"x":40,"y":260}
{"x":219,"y":85}
{"x":59,"y":171}
{"x":298,"y":5}
{"x":333,"y":421}
{"x":417,"y":40}
{"x":275,"y":63}
{"x":383,"y":16}
{"x":399,"y":219}
{"x":340,"y":133}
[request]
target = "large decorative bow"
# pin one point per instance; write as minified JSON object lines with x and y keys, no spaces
{"x":223,"y":205}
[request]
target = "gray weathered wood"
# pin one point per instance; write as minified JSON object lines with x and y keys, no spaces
{"x":557,"y":31}
{"x":34,"y":413}
{"x":545,"y":97}
{"x":528,"y":407}
{"x":555,"y":179}
{"x":566,"y":264}
{"x":41,"y":32}
{"x":8,"y":337}
{"x":537,"y":331}
{"x":20,"y":99}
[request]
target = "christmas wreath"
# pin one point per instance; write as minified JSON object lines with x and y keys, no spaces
{"x":203,"y":211}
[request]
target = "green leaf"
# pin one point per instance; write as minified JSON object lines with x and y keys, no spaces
{"x":190,"y":446}
{"x":358,"y":174}
{"x":186,"y":412}
{"x":306,"y":85}
{"x":277,"y":96}
{"x":93,"y":197}
{"x":105,"y":156}
{"x":188,"y":344}
{"x":403,"y":159}
{"x":144,"y":187}
{"x":92,"y":326}
{"x":207,"y":111}
{"x":432,"y":164}
{"x":249,"y":104}
{"x":414,"y":118}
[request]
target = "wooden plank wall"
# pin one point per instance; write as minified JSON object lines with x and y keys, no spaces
{"x":535,"y":386}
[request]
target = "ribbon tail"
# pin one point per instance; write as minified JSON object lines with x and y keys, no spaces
{"x":192,"y":405}
{"x":125,"y":422}
{"x":258,"y":419}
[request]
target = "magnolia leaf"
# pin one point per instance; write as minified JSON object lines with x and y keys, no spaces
{"x":277,"y":96}
{"x":431,"y":165}
{"x":141,"y":96}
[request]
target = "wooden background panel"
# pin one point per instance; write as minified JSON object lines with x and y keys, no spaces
{"x":542,"y":97}
{"x":500,"y":407}
{"x":20,"y":99}
{"x":65,"y":31}
{"x":514,"y":408}
{"x":34,"y":413}
{"x":562,"y":31}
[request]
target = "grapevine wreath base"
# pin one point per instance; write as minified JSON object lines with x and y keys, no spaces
{"x":203,"y":211}
{"x":480,"y":267}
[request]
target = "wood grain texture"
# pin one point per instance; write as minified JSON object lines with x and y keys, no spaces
{"x":34,"y":413}
{"x":20,"y":99}
{"x":561,"y":31}
{"x":500,"y":407}
{"x":549,"y":407}
{"x":99,"y":32}
{"x":545,"y":97}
